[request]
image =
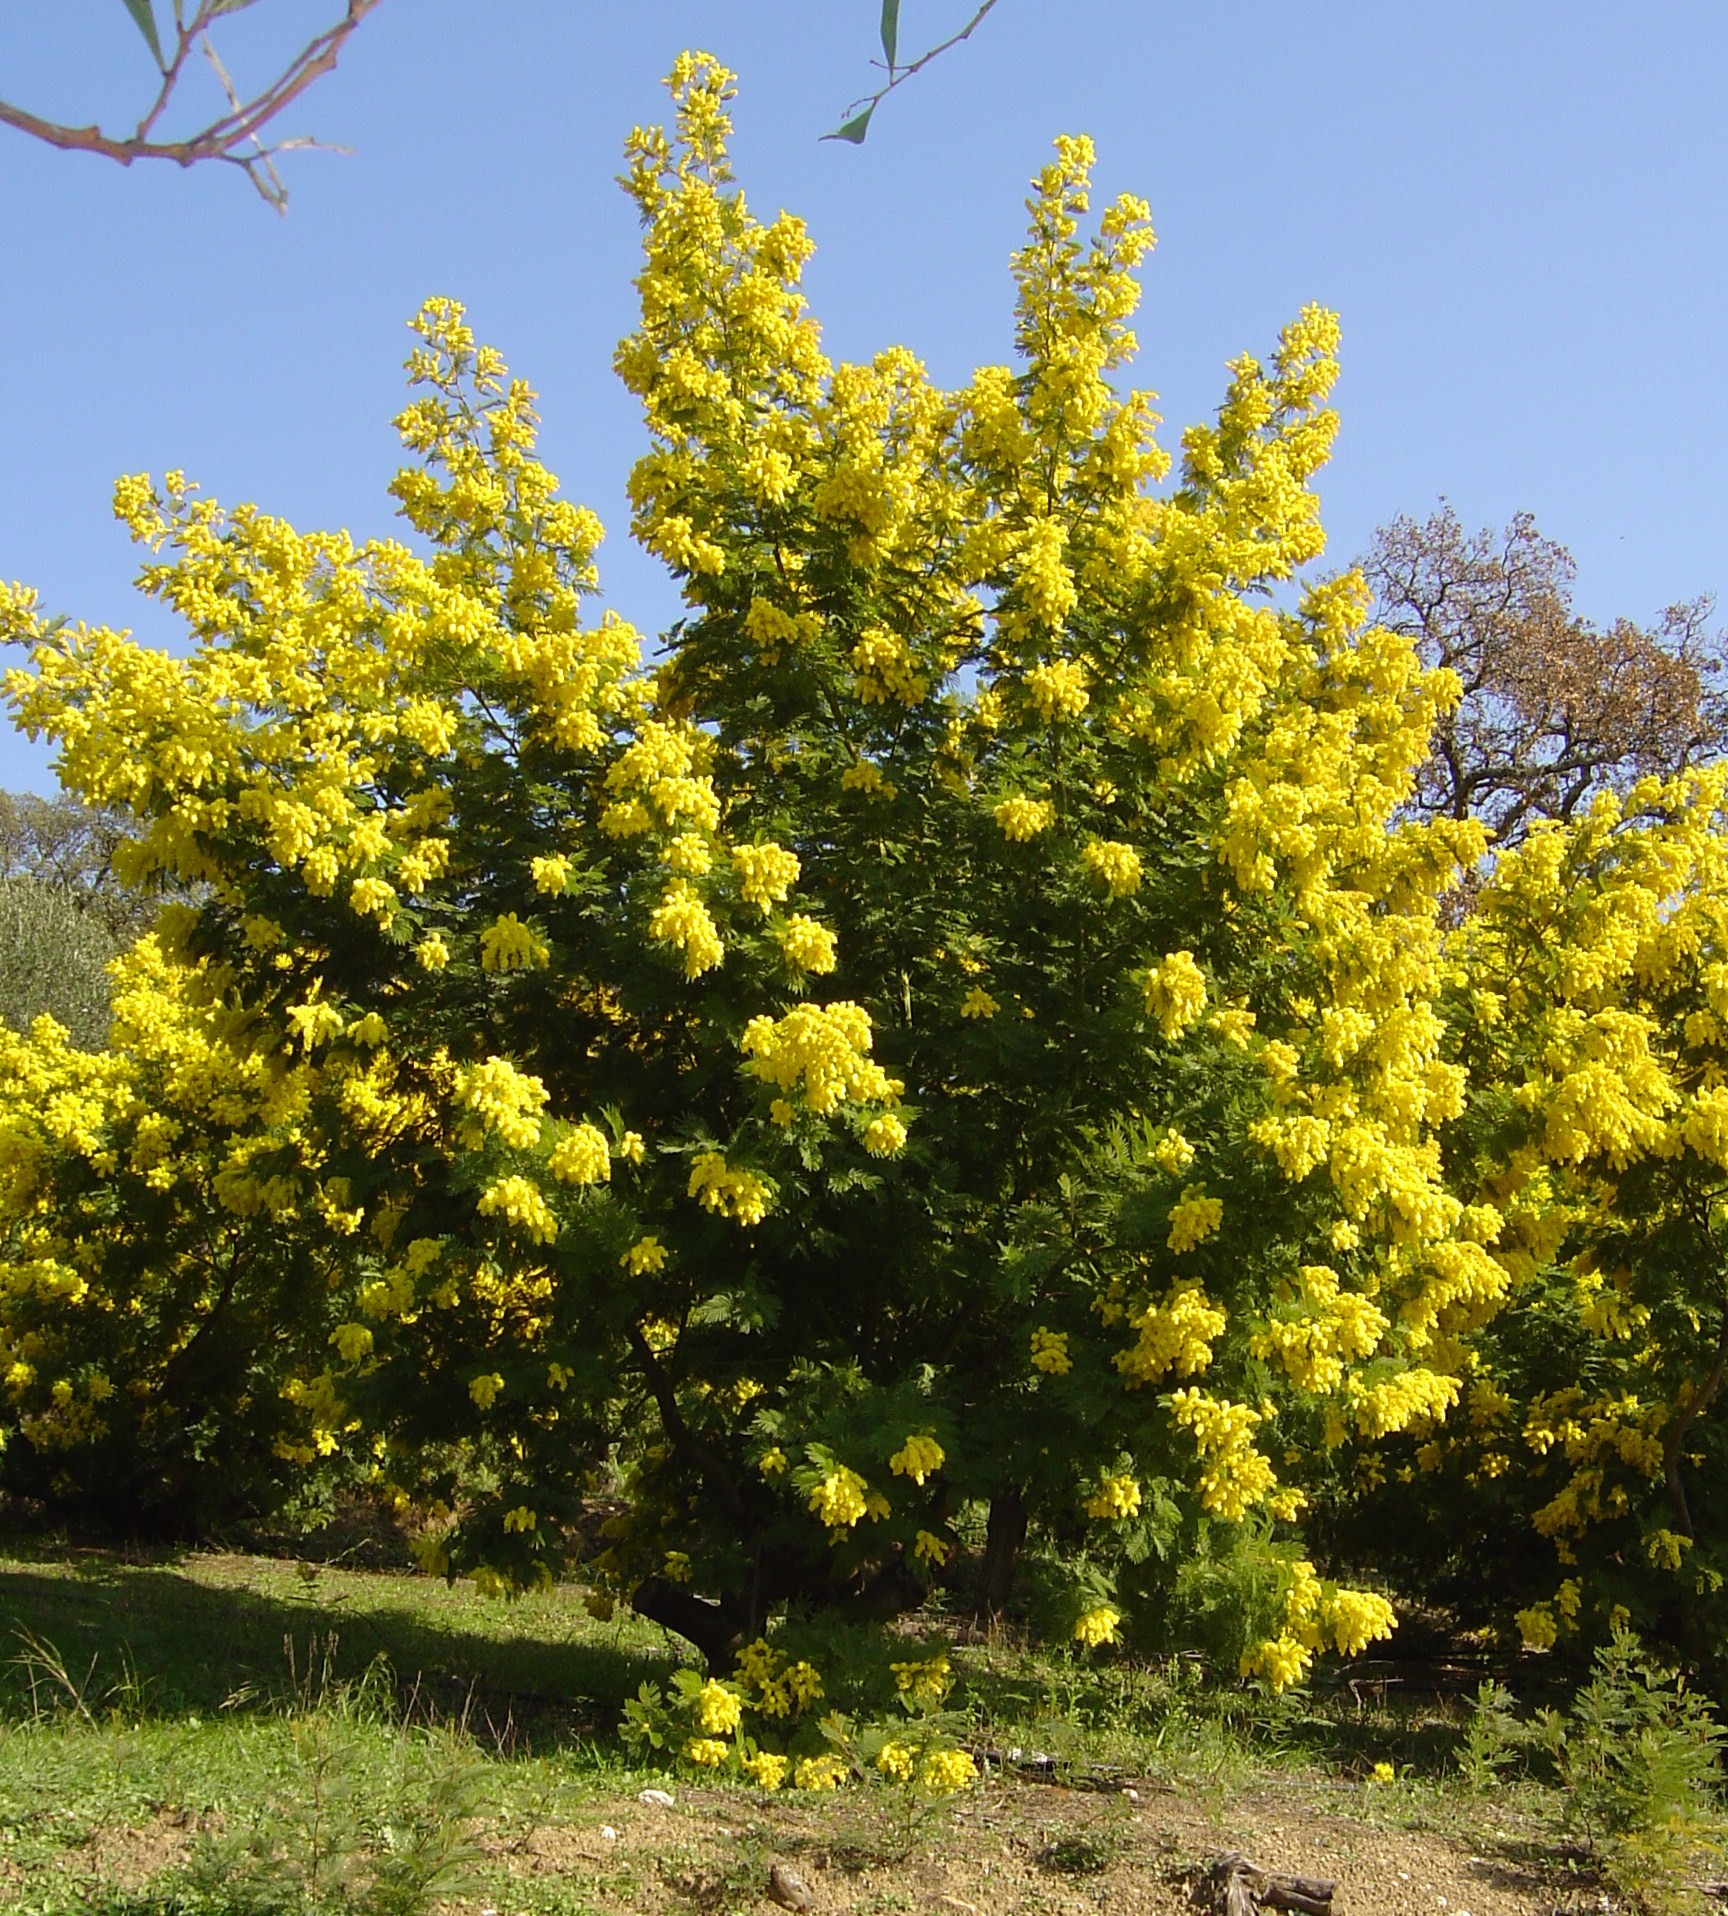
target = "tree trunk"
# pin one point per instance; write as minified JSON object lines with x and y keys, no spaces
{"x":714,"y":1628}
{"x":1002,"y":1541}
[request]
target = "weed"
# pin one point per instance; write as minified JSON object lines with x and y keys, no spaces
{"x":1639,"y":1761}
{"x":1494,"y":1739}
{"x":54,"y":1691}
{"x":1084,"y":1853}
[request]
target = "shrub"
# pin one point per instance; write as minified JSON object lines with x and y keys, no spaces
{"x":958,"y":1033}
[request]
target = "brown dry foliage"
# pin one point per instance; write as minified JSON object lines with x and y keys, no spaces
{"x":1554,"y":708}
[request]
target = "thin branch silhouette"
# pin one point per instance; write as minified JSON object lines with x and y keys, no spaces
{"x":856,"y":121}
{"x":235,"y":139}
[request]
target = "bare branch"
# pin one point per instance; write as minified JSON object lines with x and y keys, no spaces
{"x":224,"y":139}
{"x":267,"y":180}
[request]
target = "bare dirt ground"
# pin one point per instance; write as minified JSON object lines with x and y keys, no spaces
{"x":1022,"y":1848}
{"x":1003,"y":1850}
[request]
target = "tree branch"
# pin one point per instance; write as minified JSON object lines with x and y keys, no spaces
{"x":223,"y":138}
{"x":1684,"y":1419}
{"x":856,"y":122}
{"x":684,"y":1440}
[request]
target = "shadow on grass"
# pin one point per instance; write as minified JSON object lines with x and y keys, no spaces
{"x":145,"y":1635}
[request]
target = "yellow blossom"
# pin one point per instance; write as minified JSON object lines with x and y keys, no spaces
{"x":884,"y":1136}
{"x":918,"y":1458}
{"x":1115,"y":1499}
{"x":839,"y":1498}
{"x":1175,"y":993}
{"x":581,"y":1156}
{"x":718,"y":1710}
{"x":550,"y":874}
{"x":1024,"y":818}
{"x":807,"y":945}
{"x":720,"y":1187}
{"x":1116,"y":866}
{"x":1050,"y":1352}
{"x":946,"y":1771}
{"x":509,"y":945}
{"x":682,"y":921}
{"x":1193,"y":1218}
{"x":1097,"y":1626}
{"x":1058,"y":689}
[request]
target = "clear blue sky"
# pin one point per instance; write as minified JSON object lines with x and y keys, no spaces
{"x":1518,"y":209}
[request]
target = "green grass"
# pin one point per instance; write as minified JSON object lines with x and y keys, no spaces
{"x":196,"y":1734}
{"x":224,"y":1705}
{"x":200,"y":1633}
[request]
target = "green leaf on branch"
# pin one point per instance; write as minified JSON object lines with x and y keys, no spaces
{"x":144,"y":18}
{"x":854,"y":129}
{"x":890,"y":32}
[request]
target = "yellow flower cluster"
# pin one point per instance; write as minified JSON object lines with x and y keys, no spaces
{"x":1173,"y":1153}
{"x":718,"y":1709}
{"x":1115,"y":1499}
{"x":581,"y":1156}
{"x":782,"y":1686}
{"x":1537,"y":1627}
{"x":919,"y":1457}
{"x":1323,"y":1330}
{"x":509,"y":945}
{"x":840,"y":1499}
{"x":1234,"y":1476}
{"x":1193,"y":1218}
{"x":504,"y":1099}
{"x":719,"y":1187}
{"x":1177,"y":1334}
{"x":1317,"y":1615}
{"x":520,"y":1201}
{"x":1058,"y":690}
{"x":925,"y":1680}
{"x":1115,"y":865}
{"x":822,"y":1051}
{"x":682,"y":921}
{"x":1097,"y":1626}
{"x":1024,"y":818}
{"x":807,"y":945}
{"x":1175,"y":993}
{"x":946,"y":1771}
{"x":1050,"y":1352}
{"x":647,"y":1254}
{"x":766,"y":1768}
{"x":885,"y":1137}
{"x":869,"y":779}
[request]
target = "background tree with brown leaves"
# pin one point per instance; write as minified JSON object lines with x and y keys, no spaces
{"x":1554,"y":708}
